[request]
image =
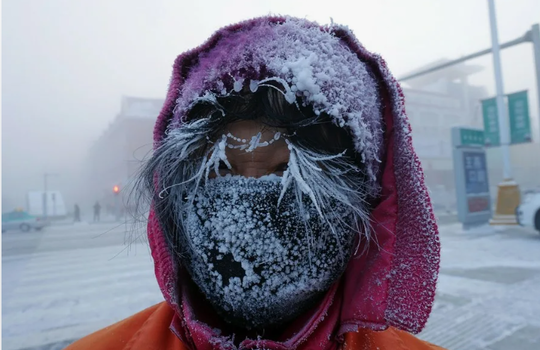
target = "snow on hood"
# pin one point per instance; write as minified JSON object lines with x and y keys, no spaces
{"x":392,"y":283}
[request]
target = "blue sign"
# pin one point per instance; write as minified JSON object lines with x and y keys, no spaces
{"x":476,"y":179}
{"x":472,"y":186}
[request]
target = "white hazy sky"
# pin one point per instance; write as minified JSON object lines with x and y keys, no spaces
{"x":67,"y":63}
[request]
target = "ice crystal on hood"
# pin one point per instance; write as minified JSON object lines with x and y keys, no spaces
{"x":310,"y":64}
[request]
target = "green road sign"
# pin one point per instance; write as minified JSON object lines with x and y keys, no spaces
{"x":518,"y":111}
{"x":471,"y":137}
{"x":491,"y":122}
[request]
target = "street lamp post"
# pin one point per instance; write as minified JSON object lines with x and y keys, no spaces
{"x":532,"y":36}
{"x":508,"y":191}
{"x":45,"y":197}
{"x":508,"y":196}
{"x":501,"y":107}
{"x":535,"y":38}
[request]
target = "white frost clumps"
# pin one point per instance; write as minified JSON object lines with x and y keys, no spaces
{"x":252,"y":258}
{"x":310,"y":64}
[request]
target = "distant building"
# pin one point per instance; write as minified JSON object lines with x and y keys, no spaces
{"x":435,"y":103}
{"x":438,"y":101}
{"x":116,"y":156}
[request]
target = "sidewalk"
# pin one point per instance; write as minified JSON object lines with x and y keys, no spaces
{"x":487,"y":299}
{"x":53,"y":297}
{"x":488,"y":290}
{"x":70,"y":222}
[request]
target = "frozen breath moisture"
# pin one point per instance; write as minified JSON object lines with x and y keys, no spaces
{"x":255,"y":260}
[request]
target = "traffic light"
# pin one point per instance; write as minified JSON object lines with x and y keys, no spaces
{"x":116,"y":189}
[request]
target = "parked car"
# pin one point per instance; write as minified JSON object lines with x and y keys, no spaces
{"x":528,"y":212}
{"x":21,"y":220}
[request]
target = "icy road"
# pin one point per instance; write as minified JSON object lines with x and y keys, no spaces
{"x":67,"y":281}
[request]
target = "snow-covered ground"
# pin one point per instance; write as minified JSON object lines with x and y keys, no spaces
{"x":488,"y":291}
{"x":75,"y":280}
{"x":65,"y":282}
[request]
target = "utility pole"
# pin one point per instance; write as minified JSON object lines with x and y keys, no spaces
{"x":45,"y":197}
{"x":508,"y":191}
{"x":535,"y":38}
{"x":532,"y":36}
{"x":508,"y":196}
{"x":501,"y":106}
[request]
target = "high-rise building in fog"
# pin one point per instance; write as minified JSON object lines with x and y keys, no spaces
{"x":116,"y":156}
{"x":435,"y":103}
{"x":438,"y":101}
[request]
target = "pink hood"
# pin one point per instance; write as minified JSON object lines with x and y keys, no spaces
{"x":391,"y":282}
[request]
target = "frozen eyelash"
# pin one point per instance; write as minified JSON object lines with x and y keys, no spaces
{"x":186,"y":158}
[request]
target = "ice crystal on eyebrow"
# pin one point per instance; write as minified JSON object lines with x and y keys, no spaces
{"x":305,"y":169}
{"x":185,"y":159}
{"x":253,"y":143}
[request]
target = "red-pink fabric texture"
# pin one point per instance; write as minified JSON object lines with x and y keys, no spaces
{"x":390,"y":283}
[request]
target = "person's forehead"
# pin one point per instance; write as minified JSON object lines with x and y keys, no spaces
{"x":251,"y":127}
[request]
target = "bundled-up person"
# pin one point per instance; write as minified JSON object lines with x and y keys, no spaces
{"x":288,"y":207}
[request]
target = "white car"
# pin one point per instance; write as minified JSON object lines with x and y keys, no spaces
{"x":528,"y":212}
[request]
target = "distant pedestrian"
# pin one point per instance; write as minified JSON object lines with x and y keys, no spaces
{"x":77,"y":213}
{"x":97,"y":211}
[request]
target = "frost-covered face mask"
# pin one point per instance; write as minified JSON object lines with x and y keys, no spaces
{"x":261,"y":260}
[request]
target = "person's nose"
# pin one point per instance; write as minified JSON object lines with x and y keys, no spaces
{"x":252,"y":169}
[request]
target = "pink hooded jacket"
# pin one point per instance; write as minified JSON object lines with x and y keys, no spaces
{"x":391,"y":282}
